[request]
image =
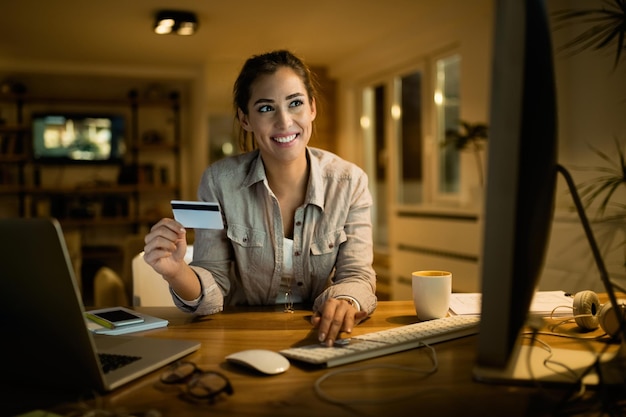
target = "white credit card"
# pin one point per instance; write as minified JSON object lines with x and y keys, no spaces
{"x":197,"y":214}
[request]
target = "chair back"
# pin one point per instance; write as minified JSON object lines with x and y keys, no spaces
{"x":149,"y":288}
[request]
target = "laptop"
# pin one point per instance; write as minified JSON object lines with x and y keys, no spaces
{"x":46,"y":341}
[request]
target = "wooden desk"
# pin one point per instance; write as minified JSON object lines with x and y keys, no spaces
{"x":450,"y":391}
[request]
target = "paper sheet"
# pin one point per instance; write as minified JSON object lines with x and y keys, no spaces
{"x":543,"y":304}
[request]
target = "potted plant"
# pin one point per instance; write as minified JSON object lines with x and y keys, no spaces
{"x":605,"y":29}
{"x":472,"y":137}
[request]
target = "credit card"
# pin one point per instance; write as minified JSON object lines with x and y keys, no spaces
{"x":197,"y":214}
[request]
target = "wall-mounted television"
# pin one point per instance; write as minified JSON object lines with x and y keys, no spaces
{"x":78,"y":138}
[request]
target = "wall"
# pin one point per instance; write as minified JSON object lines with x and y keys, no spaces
{"x":591,"y":105}
{"x":423,"y":237}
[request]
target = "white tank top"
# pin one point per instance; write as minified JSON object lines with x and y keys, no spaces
{"x":287,"y":280}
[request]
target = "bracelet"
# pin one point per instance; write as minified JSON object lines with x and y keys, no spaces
{"x":349,"y":301}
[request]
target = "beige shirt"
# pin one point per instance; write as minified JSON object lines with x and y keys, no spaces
{"x":332,"y":251}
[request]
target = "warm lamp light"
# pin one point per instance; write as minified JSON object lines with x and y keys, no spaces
{"x":175,"y":22}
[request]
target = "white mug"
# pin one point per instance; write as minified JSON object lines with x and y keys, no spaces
{"x":431,"y":293}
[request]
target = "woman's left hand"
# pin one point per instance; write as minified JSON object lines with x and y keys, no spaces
{"x":337,"y":315}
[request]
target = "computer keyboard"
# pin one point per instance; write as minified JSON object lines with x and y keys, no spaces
{"x":384,"y":342}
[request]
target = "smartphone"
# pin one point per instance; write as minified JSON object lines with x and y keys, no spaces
{"x":114,"y":318}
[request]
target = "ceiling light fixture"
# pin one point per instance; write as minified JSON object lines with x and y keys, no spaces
{"x":175,"y":22}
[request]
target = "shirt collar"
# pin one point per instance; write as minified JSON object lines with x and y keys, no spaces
{"x":257,"y":170}
{"x":315,"y":191}
{"x":315,"y":188}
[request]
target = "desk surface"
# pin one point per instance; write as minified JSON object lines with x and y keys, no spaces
{"x":450,"y":391}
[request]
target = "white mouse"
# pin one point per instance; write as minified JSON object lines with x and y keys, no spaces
{"x":262,"y":360}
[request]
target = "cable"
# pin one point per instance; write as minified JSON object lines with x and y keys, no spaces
{"x":619,"y":287}
{"x":599,"y":394}
{"x":566,"y":320}
{"x":320,"y":391}
{"x":570,"y":336}
{"x":550,"y":364}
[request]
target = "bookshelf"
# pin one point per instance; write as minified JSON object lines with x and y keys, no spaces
{"x":86,"y":195}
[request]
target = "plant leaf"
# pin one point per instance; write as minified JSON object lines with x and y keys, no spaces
{"x":604,"y":186}
{"x":608,"y":27}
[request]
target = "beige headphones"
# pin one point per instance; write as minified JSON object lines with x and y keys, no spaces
{"x":589,"y":313}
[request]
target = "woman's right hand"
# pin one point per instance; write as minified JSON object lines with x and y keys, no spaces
{"x":165,"y":248}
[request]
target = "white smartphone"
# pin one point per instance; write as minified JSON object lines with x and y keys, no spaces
{"x":114,"y":318}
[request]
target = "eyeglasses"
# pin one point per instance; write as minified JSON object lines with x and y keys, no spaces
{"x":200,"y":384}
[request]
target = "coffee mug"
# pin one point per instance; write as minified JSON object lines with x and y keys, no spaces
{"x":431,"y":293}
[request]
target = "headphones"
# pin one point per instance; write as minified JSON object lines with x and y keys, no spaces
{"x":589,"y":314}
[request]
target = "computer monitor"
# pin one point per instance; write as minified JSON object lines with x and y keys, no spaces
{"x":521,"y":174}
{"x":521,"y":183}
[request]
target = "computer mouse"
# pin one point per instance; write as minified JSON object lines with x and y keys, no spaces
{"x":262,"y":360}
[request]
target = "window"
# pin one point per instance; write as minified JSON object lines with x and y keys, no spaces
{"x":407,"y":114}
{"x":403,"y":131}
{"x":373,"y":126}
{"x":447,"y":115}
{"x":392,"y":108}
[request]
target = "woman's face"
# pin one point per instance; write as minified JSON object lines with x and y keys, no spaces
{"x":280,"y":116}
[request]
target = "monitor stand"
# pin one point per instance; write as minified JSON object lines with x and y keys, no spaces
{"x":538,"y":365}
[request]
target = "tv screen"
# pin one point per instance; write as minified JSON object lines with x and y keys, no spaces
{"x":86,"y":138}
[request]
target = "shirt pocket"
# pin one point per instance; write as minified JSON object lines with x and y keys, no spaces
{"x":247,"y":243}
{"x":324,"y":252}
{"x":328,"y":243}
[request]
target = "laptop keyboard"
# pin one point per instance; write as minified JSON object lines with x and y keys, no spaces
{"x":111,"y":362}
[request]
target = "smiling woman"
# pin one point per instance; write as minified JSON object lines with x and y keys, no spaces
{"x":297,"y":219}
{"x":276,"y":71}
